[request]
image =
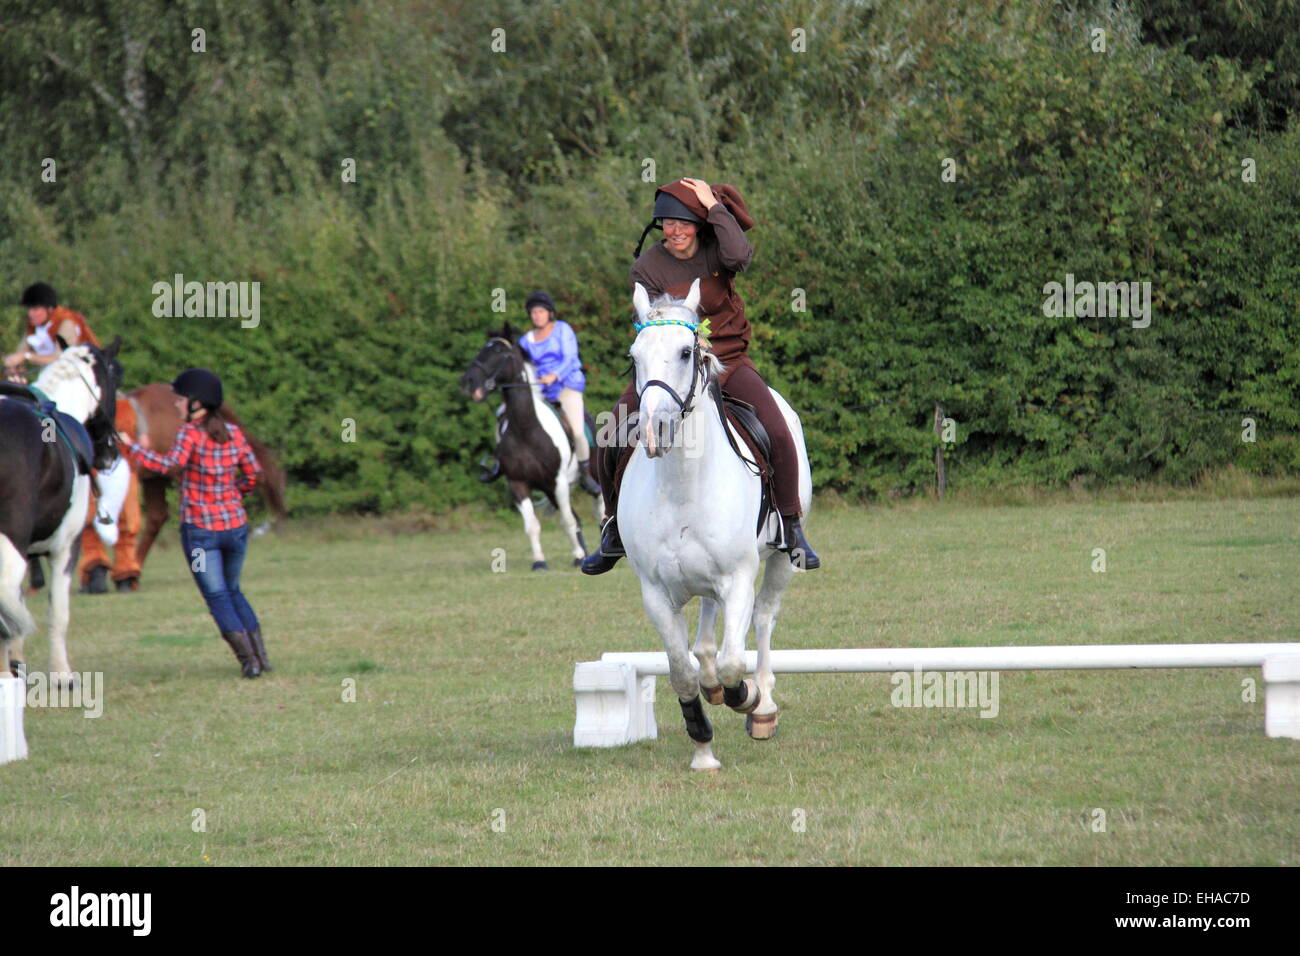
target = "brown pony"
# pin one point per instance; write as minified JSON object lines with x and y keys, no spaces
{"x":157,"y":417}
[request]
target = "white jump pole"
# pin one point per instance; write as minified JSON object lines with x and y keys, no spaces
{"x":13,"y":695}
{"x":615,"y":695}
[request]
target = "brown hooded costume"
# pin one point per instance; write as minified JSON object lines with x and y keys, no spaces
{"x":723,"y":251}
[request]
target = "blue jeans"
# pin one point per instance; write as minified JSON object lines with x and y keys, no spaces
{"x":215,"y":559}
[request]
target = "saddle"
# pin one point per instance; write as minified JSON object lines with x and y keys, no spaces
{"x":588,"y":426}
{"x":73,"y":432}
{"x":744,"y":419}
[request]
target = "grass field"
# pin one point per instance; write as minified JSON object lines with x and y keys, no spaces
{"x":464,"y":710}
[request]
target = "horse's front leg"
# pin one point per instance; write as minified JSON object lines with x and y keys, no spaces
{"x":532,"y":527}
{"x":706,"y":651}
{"x":63,"y":562}
{"x":739,"y":693}
{"x":670,"y":622}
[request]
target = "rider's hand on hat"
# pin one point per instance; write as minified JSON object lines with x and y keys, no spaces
{"x":702,"y":192}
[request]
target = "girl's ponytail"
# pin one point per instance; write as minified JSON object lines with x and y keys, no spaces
{"x":215,"y":426}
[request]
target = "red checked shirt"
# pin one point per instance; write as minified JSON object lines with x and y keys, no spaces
{"x":214,"y":477}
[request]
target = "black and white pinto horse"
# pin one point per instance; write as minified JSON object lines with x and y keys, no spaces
{"x":45,"y":488}
{"x":532,"y":445}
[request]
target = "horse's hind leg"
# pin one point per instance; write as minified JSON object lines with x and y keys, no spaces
{"x":532,"y":527}
{"x":670,"y":622}
{"x":706,"y":651}
{"x":564,"y":504}
{"x":761,"y":724}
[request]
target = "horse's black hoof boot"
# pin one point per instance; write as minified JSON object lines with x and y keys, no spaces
{"x":128,"y":584}
{"x":606,"y":556}
{"x":540,"y":566}
{"x":97,"y":583}
{"x":801,"y":553}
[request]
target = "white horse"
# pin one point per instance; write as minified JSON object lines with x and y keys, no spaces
{"x":687,"y":512}
{"x":81,"y":383}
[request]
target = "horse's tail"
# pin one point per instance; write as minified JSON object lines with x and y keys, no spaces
{"x":15,"y":619}
{"x":272,"y":484}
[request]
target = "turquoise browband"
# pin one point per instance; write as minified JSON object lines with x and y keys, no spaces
{"x":644,"y":325}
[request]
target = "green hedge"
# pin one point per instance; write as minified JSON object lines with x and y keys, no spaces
{"x":480,"y":172}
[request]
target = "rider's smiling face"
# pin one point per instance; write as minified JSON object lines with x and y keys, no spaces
{"x":680,"y":237}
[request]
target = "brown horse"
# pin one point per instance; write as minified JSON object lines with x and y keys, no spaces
{"x":157,"y":417}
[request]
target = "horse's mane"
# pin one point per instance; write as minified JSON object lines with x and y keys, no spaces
{"x":61,"y":370}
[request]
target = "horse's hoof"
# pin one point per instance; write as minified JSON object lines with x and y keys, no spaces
{"x":717,"y":769}
{"x":712,"y":694}
{"x":18,"y":669}
{"x":762,"y":726}
{"x":540,"y":566}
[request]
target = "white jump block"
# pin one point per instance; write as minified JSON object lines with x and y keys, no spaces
{"x":615,"y":695}
{"x":13,"y":697}
{"x":1282,"y":697}
{"x":615,"y":705}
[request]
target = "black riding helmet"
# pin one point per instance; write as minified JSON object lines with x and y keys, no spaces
{"x":200,"y":385}
{"x":667,"y":206}
{"x":40,"y":294}
{"x":540,"y":298}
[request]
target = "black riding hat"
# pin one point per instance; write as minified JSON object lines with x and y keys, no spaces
{"x":40,"y":294}
{"x":539,"y":298}
{"x":201,"y":385}
{"x":668,"y":206}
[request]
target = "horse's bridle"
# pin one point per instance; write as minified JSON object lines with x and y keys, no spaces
{"x":697,"y":362}
{"x":490,"y":381}
{"x":101,"y":411}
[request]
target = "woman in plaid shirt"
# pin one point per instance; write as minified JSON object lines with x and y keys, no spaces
{"x":216,"y":468}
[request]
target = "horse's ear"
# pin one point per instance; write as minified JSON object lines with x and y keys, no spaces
{"x":641,"y":301}
{"x":693,"y":297}
{"x":507,"y":332}
{"x":116,"y":344}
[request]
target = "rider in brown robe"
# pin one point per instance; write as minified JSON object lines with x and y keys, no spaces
{"x":705,"y":239}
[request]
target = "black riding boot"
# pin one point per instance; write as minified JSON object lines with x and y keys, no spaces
{"x":589,"y":484}
{"x":238,"y":641}
{"x":801,"y":553}
{"x":258,"y":647}
{"x":491,"y":469}
{"x":610,"y":550}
